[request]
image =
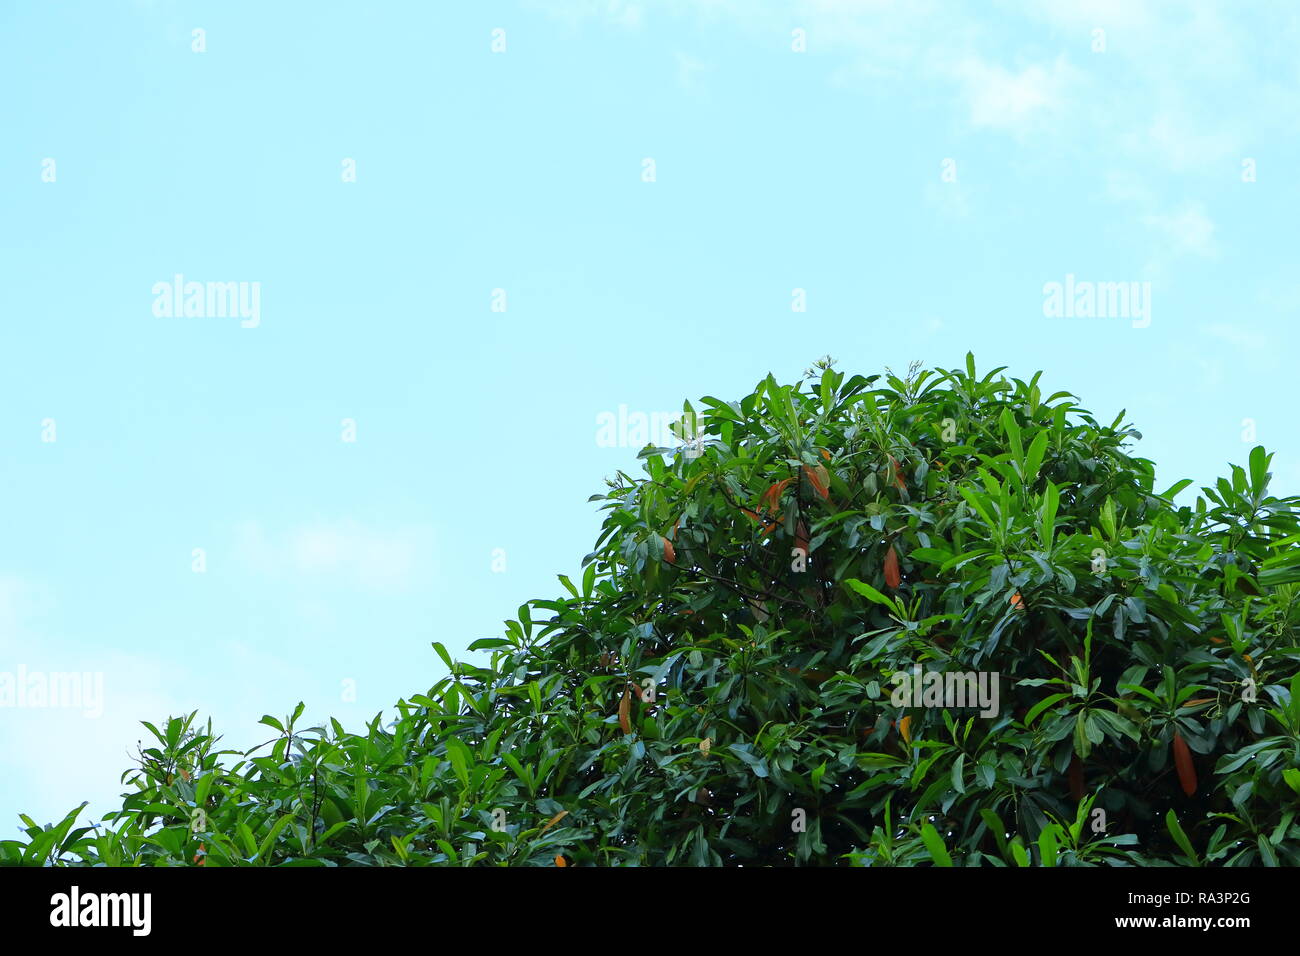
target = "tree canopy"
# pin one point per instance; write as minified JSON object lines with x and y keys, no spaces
{"x":722,"y":685}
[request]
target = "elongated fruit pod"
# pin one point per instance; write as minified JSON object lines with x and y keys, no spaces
{"x":801,"y":537}
{"x":625,"y":711}
{"x":892,"y":577}
{"x":1183,"y":761}
{"x":898,"y":474}
{"x":1076,"y":778}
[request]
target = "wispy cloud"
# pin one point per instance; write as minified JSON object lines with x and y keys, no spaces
{"x":627,"y":13}
{"x":1240,"y":336}
{"x":688,"y":69}
{"x":1164,"y":89}
{"x":21,"y":600}
{"x":949,"y":199}
{"x":1013,"y":101}
{"x":347,"y":550}
{"x":1187,"y":230}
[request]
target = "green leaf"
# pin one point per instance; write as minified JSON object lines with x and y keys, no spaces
{"x":1259,"y":460}
{"x":1107,"y":517}
{"x":446,"y":658}
{"x":1034,"y":460}
{"x":934,"y":843}
{"x":1176,"y":831}
{"x":870,"y":593}
{"x":1176,"y":487}
{"x":460,"y":757}
{"x":1012,"y":430}
{"x":1019,"y":853}
{"x":265,"y":848}
{"x":1042,"y":705}
{"x":1292,"y":778}
{"x":1047,"y":845}
{"x":1047,"y":520}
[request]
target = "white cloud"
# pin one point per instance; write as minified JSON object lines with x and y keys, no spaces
{"x":11,"y":589}
{"x":1281,"y":297}
{"x":626,"y":13}
{"x":1175,"y":232}
{"x":1001,"y":99}
{"x":1240,"y":336}
{"x":1085,"y":15}
{"x":1186,"y":230}
{"x":1126,"y":186}
{"x":1164,"y":94}
{"x":370,"y":558}
{"x":1286,"y":473}
{"x":687,"y":68}
{"x":1182,"y":142}
{"x":1236,"y":351}
{"x":949,"y":199}
{"x":21,"y":599}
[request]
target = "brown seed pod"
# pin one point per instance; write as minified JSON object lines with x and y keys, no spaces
{"x":892,"y":576}
{"x":1183,"y":761}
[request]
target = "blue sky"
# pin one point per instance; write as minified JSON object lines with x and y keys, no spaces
{"x":921,"y":170}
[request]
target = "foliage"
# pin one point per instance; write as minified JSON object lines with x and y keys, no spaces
{"x":704,"y":696}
